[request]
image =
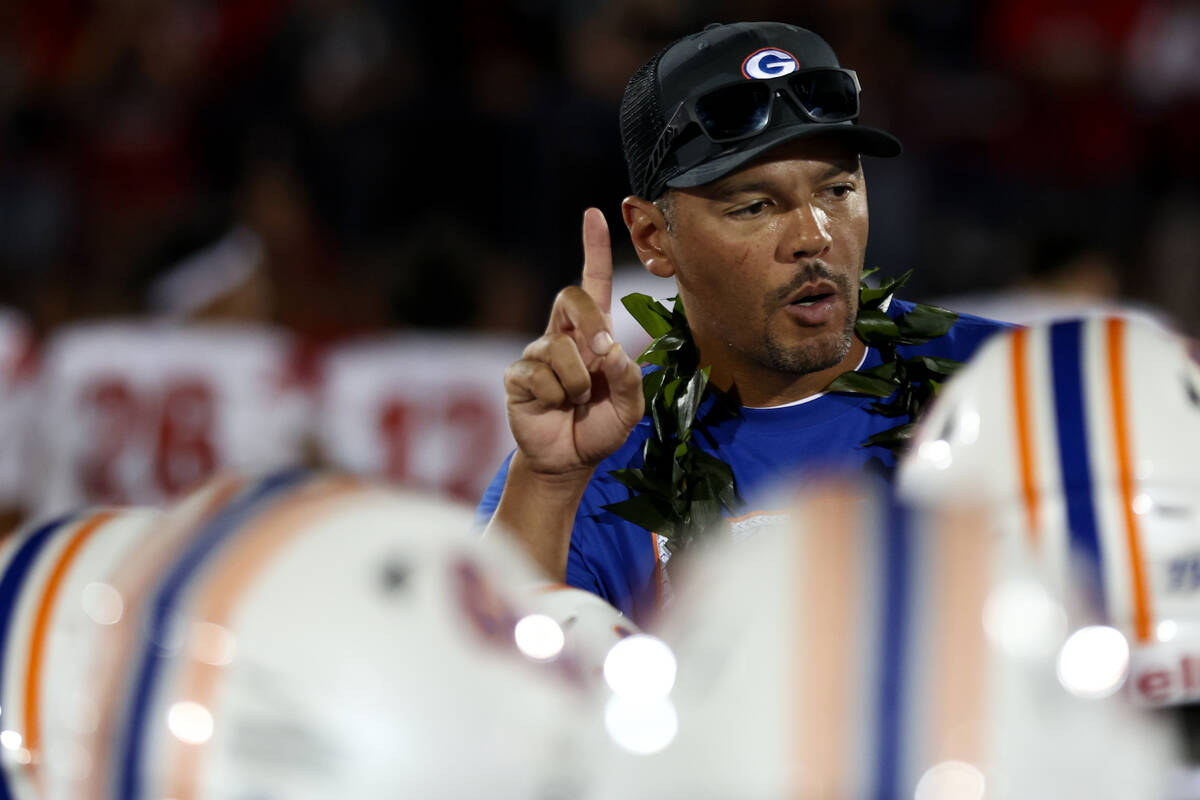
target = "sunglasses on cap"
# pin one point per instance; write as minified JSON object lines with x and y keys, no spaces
{"x":743,"y":110}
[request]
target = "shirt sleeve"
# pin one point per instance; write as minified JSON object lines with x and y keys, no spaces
{"x":579,"y":572}
{"x":491,"y":495}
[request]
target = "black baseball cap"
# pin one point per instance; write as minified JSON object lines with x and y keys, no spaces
{"x":717,"y":57}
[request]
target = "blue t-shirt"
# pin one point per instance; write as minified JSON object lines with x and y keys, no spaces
{"x":623,"y":563}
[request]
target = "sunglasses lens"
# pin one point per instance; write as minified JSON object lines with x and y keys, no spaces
{"x":735,"y":111}
{"x":827,"y":96}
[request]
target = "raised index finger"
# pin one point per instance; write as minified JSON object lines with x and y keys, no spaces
{"x":597,"y":259}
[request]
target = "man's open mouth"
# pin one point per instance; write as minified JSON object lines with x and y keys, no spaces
{"x":810,"y":299}
{"x":814,"y":304}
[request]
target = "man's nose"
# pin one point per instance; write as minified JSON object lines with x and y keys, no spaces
{"x":806,"y":234}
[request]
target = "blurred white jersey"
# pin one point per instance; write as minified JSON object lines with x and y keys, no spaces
{"x":16,"y":344}
{"x":627,"y":280}
{"x":139,"y":412}
{"x":423,"y":410}
{"x":1034,"y":307}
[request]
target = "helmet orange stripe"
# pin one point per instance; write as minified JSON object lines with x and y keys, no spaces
{"x":827,"y":583}
{"x":240,"y":564}
{"x":1115,"y":328}
{"x":41,"y":625}
{"x":1020,"y":385}
{"x":958,"y":567}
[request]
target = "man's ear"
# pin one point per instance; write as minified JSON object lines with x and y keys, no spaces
{"x":648,"y":230}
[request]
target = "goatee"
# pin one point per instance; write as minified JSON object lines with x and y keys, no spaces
{"x":820,"y":352}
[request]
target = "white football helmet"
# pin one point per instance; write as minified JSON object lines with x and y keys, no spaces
{"x":53,"y":592}
{"x":1081,"y":436}
{"x":866,"y":651}
{"x":313,"y":637}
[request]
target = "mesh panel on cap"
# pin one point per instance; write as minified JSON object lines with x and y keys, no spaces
{"x":641,"y":122}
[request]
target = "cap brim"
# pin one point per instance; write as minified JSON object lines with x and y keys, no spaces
{"x":863,"y":139}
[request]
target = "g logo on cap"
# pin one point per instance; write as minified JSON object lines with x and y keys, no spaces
{"x":769,"y":62}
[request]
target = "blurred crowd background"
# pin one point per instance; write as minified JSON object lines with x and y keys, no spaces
{"x":425,"y":164}
{"x":390,"y":193}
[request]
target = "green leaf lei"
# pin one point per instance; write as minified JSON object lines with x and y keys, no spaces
{"x":680,"y":490}
{"x":905,"y":386}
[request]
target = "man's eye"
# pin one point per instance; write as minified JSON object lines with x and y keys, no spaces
{"x":752,"y":210}
{"x":840,"y":190}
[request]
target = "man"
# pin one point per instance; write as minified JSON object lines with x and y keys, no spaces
{"x":743,"y":151}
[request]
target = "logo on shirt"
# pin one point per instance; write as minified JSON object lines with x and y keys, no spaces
{"x":769,"y":62}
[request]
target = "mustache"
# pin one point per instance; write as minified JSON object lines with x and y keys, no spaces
{"x":812,"y":271}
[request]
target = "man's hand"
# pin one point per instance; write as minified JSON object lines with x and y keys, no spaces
{"x":575,"y":395}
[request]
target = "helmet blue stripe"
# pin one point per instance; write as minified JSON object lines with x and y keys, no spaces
{"x":10,"y":588}
{"x":1070,"y":412}
{"x":201,"y":548}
